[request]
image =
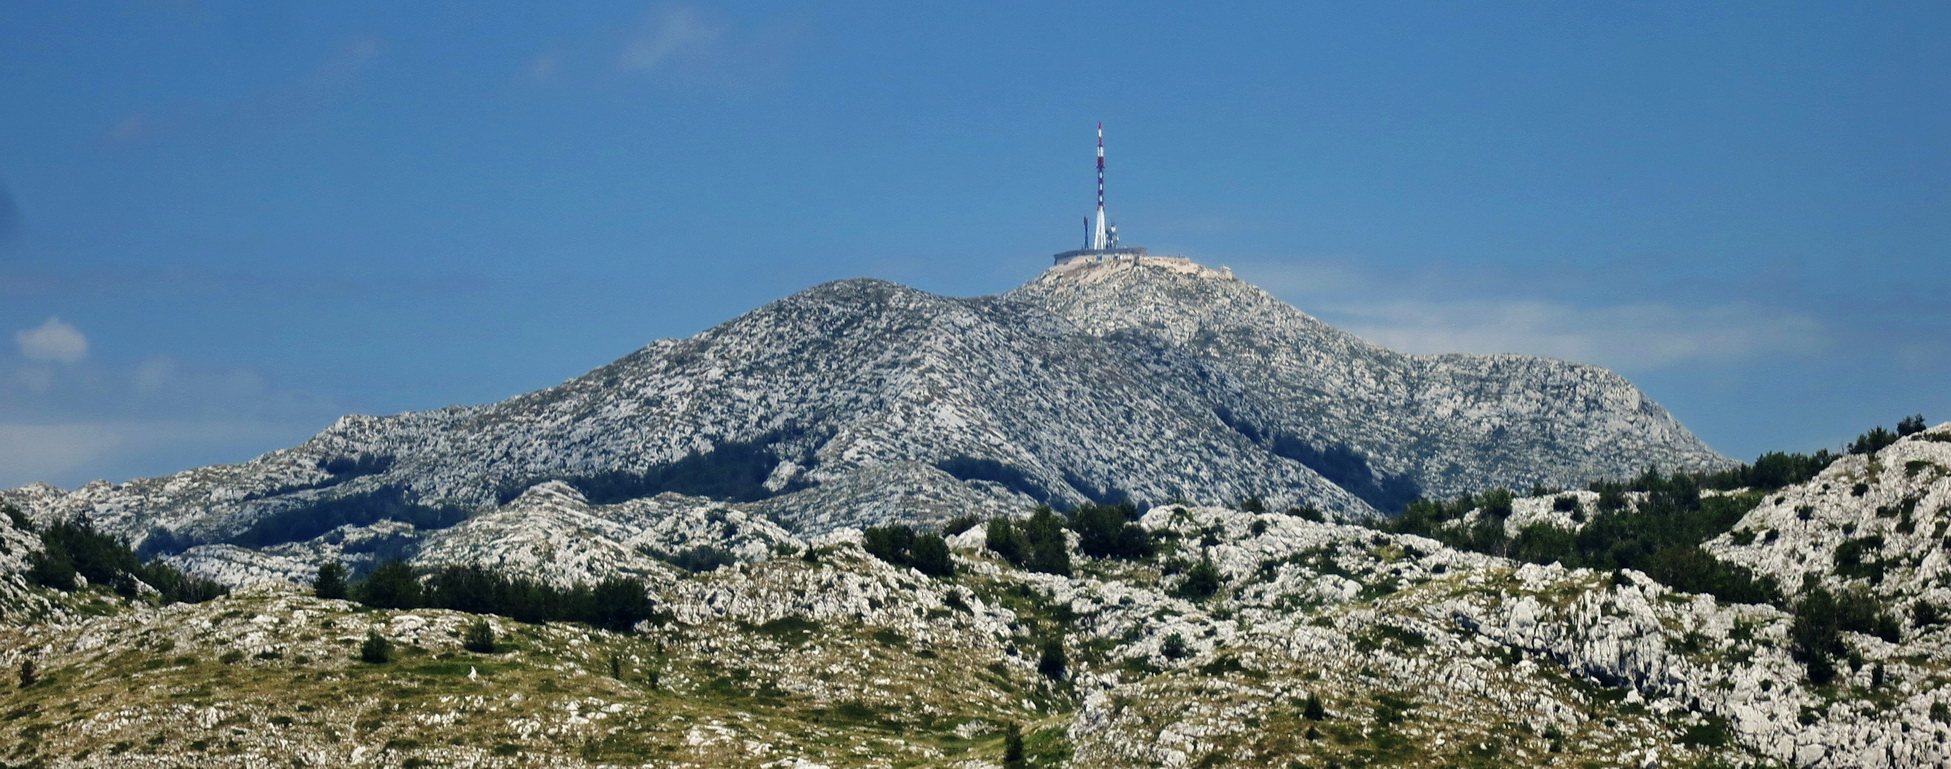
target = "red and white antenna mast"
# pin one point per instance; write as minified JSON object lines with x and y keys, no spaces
{"x":1098,"y":239}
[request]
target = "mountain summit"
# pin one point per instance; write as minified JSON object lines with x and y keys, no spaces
{"x":860,"y":402}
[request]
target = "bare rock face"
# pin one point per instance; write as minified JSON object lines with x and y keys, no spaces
{"x":861,"y":402}
{"x":1449,"y":424}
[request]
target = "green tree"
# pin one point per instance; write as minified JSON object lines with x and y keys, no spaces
{"x":929,"y":554}
{"x":1107,"y":531}
{"x":331,"y":581}
{"x":889,"y":543}
{"x":376,"y":650}
{"x":1311,"y":708}
{"x":1013,"y":746}
{"x":1049,"y":550}
{"x":1816,"y":634}
{"x":1174,"y":647}
{"x":391,"y":586}
{"x":621,"y":603}
{"x":29,"y":675}
{"x":1005,"y":539}
{"x":1053,"y":662}
{"x":479,"y":638}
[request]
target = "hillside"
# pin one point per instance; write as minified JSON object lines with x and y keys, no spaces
{"x":1320,"y":644}
{"x":860,"y":402}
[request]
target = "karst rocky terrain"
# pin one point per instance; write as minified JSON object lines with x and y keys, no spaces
{"x":1275,"y":616}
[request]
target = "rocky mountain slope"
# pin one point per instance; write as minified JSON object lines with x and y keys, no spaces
{"x":1875,"y":523}
{"x":1322,"y":644}
{"x":861,"y":401}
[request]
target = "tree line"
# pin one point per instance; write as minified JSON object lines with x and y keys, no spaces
{"x":74,"y":553}
{"x":616,"y":603}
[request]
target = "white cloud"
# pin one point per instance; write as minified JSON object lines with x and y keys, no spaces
{"x":68,"y":423}
{"x":54,"y":340}
{"x":1449,"y":311}
{"x":1627,"y":337}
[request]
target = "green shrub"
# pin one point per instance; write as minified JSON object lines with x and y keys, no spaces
{"x":1013,"y":746}
{"x":1053,"y":662}
{"x":889,"y":543}
{"x":376,"y":650}
{"x":1174,"y":647}
{"x":959,"y":524}
{"x":1201,"y":581}
{"x":1049,"y":549}
{"x":621,"y":603}
{"x":1108,"y":531}
{"x":1005,"y":539}
{"x":929,"y":554}
{"x":1311,"y":708}
{"x":479,"y":638}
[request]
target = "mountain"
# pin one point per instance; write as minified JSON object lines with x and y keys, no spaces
{"x":860,"y":402}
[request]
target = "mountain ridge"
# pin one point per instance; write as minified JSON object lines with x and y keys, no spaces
{"x":861,"y":401}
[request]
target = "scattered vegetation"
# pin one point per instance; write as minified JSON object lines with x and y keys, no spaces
{"x":1036,"y":543}
{"x":899,"y":545}
{"x":75,"y":554}
{"x":1816,"y":634}
{"x":1201,"y":581}
{"x":1053,"y":663}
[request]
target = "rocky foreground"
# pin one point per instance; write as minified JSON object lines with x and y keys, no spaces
{"x":1324,"y":645}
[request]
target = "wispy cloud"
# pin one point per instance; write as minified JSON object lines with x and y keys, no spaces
{"x":351,"y":59}
{"x":69,"y":421}
{"x":71,"y":453}
{"x":1628,"y":337}
{"x":673,"y":44}
{"x":674,"y":35}
{"x":328,"y":79}
{"x":1442,"y":312}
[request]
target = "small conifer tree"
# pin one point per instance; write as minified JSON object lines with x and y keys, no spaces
{"x":1053,"y":662}
{"x":376,"y":650}
{"x":28,"y":674}
{"x":1311,"y":708}
{"x":330,"y":582}
{"x":480,"y":638}
{"x":1174,"y":647}
{"x":1013,"y":746}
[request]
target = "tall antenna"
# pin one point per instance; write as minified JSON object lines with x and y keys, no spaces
{"x":1097,"y":234}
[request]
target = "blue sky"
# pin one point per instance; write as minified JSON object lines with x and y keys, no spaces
{"x":224,"y":224}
